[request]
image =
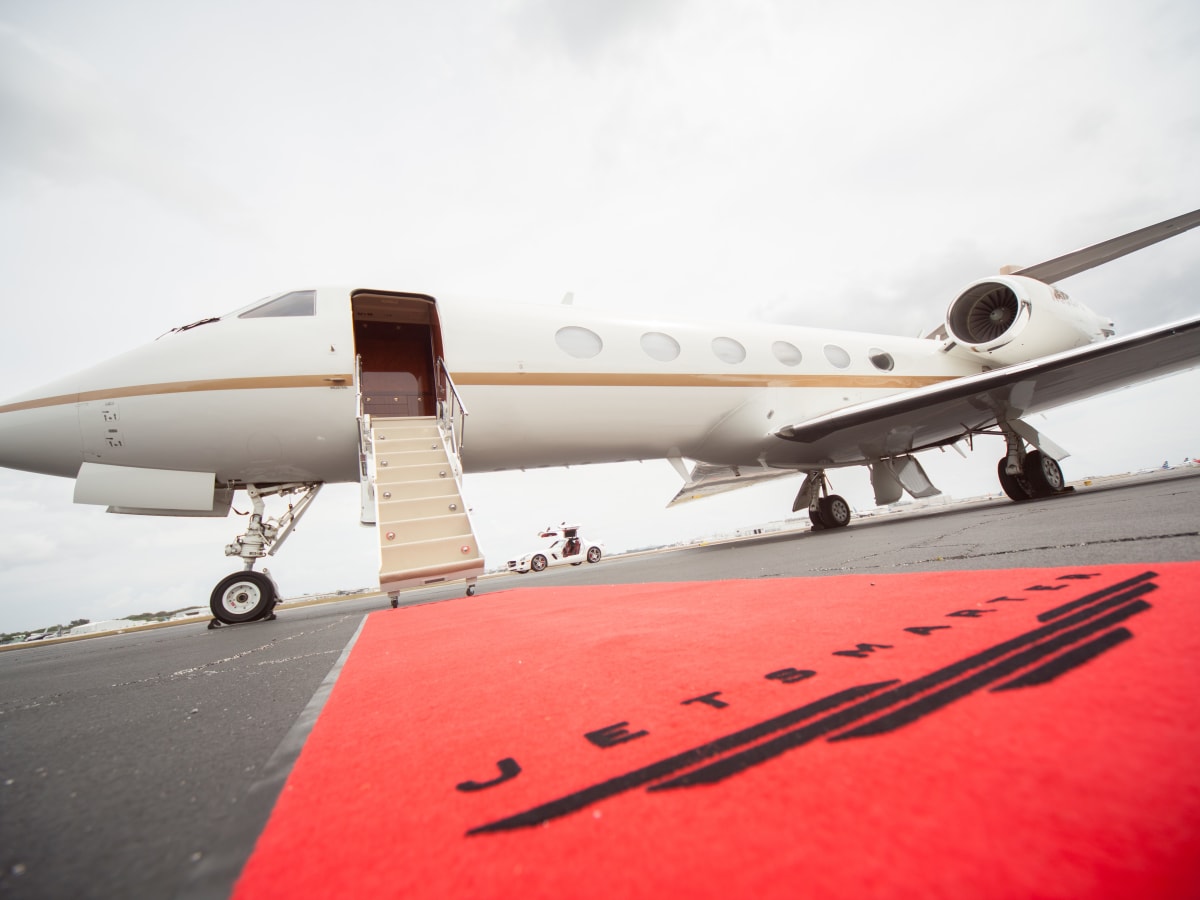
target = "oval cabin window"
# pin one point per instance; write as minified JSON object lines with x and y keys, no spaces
{"x":881,"y":359}
{"x":728,"y":350}
{"x":581,"y":343}
{"x":660,"y":346}
{"x":787,"y":353}
{"x":837,"y":355}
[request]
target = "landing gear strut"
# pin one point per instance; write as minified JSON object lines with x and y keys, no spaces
{"x":825,"y":510}
{"x":247,"y":595}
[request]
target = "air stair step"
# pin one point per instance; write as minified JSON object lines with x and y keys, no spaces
{"x":427,"y":529}
{"x":419,"y":508}
{"x":412,"y":490}
{"x":458,"y":551}
{"x":420,"y":472}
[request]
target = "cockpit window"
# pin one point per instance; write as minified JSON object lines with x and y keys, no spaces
{"x":297,"y":303}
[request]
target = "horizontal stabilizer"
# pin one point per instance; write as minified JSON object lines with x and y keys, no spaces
{"x":1106,"y":251}
{"x":707,"y":480}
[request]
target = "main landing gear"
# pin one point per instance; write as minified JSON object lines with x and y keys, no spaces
{"x":249,"y":596}
{"x":825,"y":510}
{"x":1028,"y":475}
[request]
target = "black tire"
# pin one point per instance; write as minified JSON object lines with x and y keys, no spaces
{"x":538,"y":563}
{"x":1043,"y":474}
{"x":242,"y":597}
{"x":1017,"y":488}
{"x":594,"y":554}
{"x":814,"y":516}
{"x":835,"y":511}
{"x":470,"y":590}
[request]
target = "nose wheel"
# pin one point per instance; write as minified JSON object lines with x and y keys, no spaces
{"x":243,"y":597}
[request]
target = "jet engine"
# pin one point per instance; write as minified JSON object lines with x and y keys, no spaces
{"x":1009,"y":319}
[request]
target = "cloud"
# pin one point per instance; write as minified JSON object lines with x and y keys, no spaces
{"x":585,"y":32}
{"x":68,"y":126}
{"x":26,"y":549}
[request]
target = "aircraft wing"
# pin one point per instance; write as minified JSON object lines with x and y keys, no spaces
{"x":942,"y":413}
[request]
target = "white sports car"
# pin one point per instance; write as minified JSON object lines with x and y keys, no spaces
{"x":564,"y":545}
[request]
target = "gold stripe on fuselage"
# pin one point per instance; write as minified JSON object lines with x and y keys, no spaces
{"x":706,"y":379}
{"x":499,"y":379}
{"x":186,"y":387}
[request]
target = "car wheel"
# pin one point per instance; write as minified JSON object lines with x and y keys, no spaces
{"x":538,"y":563}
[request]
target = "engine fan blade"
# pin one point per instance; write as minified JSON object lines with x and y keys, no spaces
{"x":992,"y":315}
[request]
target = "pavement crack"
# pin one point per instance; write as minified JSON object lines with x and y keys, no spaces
{"x":1069,"y":545}
{"x":270,"y":645}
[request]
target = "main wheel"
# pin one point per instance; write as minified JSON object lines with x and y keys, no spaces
{"x":1016,"y":486}
{"x":1043,"y":474}
{"x":594,"y":554}
{"x":538,"y":563}
{"x":835,"y":511}
{"x":242,"y":597}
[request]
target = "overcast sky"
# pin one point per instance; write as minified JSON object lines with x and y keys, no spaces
{"x":843,"y":165}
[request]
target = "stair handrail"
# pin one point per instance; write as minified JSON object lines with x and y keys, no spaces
{"x":364,"y":421}
{"x":450,"y":407}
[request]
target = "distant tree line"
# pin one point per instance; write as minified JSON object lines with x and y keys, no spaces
{"x":55,"y":630}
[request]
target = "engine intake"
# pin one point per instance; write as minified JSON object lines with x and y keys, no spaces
{"x":1012,"y":318}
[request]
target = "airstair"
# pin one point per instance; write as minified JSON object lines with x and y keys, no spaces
{"x":412,"y":479}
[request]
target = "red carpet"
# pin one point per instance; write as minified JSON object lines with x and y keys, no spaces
{"x":1017,"y":733}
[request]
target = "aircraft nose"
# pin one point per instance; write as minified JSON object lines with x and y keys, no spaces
{"x":41,"y":435}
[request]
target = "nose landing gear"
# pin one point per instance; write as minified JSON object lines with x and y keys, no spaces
{"x":247,"y":596}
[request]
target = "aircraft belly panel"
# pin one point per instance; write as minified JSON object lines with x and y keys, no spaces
{"x":153,"y":489}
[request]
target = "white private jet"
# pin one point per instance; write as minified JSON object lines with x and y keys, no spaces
{"x":374,"y":386}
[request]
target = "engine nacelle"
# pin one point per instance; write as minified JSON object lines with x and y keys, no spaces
{"x":1009,"y":319}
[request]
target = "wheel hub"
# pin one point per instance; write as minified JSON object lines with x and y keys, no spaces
{"x":240,"y":598}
